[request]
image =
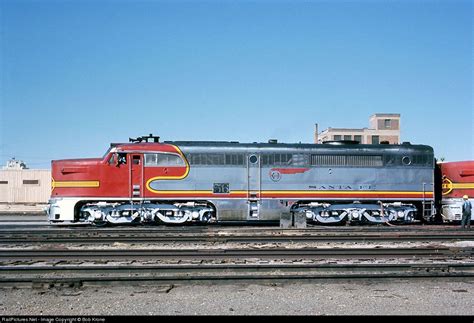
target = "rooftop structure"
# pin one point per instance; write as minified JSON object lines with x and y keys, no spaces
{"x":15,"y":164}
{"x":383,"y":128}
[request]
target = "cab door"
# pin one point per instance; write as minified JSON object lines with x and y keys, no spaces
{"x":136,"y":175}
{"x":254,"y":185}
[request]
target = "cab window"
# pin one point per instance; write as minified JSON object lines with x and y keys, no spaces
{"x":136,"y":160}
{"x":121,"y":159}
{"x":161,"y":159}
{"x":111,"y":160}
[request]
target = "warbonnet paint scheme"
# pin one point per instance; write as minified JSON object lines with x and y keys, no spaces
{"x":457,"y":180}
{"x":180,"y":182}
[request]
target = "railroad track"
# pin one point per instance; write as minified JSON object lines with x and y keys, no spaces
{"x":75,"y":276}
{"x":76,"y":267}
{"x":41,"y":257}
{"x":218,"y":253}
{"x":222,"y":235}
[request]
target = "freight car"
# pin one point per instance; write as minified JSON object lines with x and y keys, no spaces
{"x":146,"y":181}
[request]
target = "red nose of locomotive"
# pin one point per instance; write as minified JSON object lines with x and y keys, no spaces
{"x":74,"y":177}
{"x":457,"y":181}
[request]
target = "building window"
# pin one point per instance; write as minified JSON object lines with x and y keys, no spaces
{"x":3,"y":182}
{"x":358,"y":138}
{"x":337,"y":137}
{"x":30,"y":181}
{"x":347,"y":137}
{"x":375,"y":140}
{"x":388,"y":123}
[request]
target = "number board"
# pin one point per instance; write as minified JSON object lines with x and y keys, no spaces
{"x":221,"y":188}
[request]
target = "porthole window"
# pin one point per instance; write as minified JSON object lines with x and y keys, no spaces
{"x":253,"y":159}
{"x":406,"y":160}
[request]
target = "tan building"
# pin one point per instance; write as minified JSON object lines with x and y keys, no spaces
{"x":18,"y":184}
{"x":383,"y":128}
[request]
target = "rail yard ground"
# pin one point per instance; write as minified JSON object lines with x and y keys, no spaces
{"x":27,"y":244}
{"x":360,"y":297}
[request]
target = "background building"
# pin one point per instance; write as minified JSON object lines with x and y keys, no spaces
{"x":20,"y":186}
{"x":383,"y":128}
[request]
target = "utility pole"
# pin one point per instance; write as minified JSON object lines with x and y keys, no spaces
{"x":315,"y":133}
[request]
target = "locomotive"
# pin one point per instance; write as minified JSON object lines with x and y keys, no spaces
{"x":457,"y":180}
{"x":175,"y":182}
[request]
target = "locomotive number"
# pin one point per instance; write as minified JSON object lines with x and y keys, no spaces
{"x":221,"y":188}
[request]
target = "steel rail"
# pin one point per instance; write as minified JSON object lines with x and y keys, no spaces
{"x":199,"y":254}
{"x":229,"y":228}
{"x":78,"y":275}
{"x":242,"y":239}
{"x":25,"y":237}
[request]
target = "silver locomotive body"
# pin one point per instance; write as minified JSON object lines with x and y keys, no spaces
{"x":328,"y":183}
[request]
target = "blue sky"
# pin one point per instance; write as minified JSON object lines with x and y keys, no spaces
{"x":77,"y":75}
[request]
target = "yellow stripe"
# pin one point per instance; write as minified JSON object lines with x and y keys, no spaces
{"x":169,"y":177}
{"x":345,"y":192}
{"x":182,"y":192}
{"x":294,"y":192}
{"x":463,"y":186}
{"x":71,"y":184}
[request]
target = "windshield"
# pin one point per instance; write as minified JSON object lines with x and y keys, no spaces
{"x":107,"y":152}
